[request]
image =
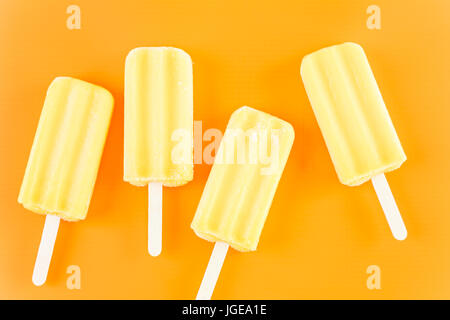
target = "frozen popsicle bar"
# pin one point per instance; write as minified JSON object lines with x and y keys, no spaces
{"x":158,"y":117}
{"x":351,"y":113}
{"x":65,"y":156}
{"x":354,"y":121}
{"x":240,"y":188}
{"x":238,"y":194}
{"x":64,"y":159}
{"x":158,"y":139}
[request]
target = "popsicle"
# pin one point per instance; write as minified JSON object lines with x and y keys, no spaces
{"x":354,"y":121}
{"x":158,"y":143}
{"x":64,"y":159}
{"x":240,"y":188}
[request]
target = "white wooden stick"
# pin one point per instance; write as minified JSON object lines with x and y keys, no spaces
{"x":389,"y":206}
{"x":212,"y":271}
{"x":154,"y":218}
{"x":45,"y":251}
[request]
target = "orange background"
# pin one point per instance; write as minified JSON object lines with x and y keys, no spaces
{"x":320,"y":236}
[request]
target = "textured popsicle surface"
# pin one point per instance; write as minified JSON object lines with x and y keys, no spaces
{"x":158,"y":117}
{"x":351,"y":113}
{"x":238,"y":194}
{"x":65,"y":156}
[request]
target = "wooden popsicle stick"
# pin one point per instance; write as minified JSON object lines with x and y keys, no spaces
{"x":45,"y":251}
{"x":389,"y":206}
{"x":212,"y":271}
{"x":154,"y":218}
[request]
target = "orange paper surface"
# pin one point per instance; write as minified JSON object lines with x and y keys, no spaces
{"x":320,"y":236}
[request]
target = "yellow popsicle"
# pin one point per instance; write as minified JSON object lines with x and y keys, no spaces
{"x":158,"y":140}
{"x":351,"y":113}
{"x":243,"y":180}
{"x":355,"y":123}
{"x":65,"y":156}
{"x":158,"y":117}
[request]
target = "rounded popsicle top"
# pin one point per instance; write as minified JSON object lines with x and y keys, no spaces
{"x":60,"y":81}
{"x":146,"y":50}
{"x":351,"y":46}
{"x":252,"y":117}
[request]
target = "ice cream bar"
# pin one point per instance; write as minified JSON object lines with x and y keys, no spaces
{"x":158,"y":139}
{"x":240,"y":188}
{"x":64,"y":159}
{"x":351,"y":113}
{"x":65,"y":156}
{"x":158,"y":117}
{"x":238,"y":194}
{"x":354,"y":121}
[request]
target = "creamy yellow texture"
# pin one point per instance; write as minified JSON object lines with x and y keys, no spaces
{"x":158,"y":145}
{"x":65,"y":156}
{"x":351,"y":113}
{"x":237,"y":196}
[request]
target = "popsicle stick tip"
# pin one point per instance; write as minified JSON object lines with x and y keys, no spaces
{"x":154,"y":252}
{"x":38,"y":281}
{"x":402,"y":235}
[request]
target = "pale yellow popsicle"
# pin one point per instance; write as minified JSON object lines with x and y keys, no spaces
{"x":243,"y":180}
{"x":65,"y":156}
{"x":158,"y":117}
{"x":351,"y":113}
{"x":158,"y":139}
